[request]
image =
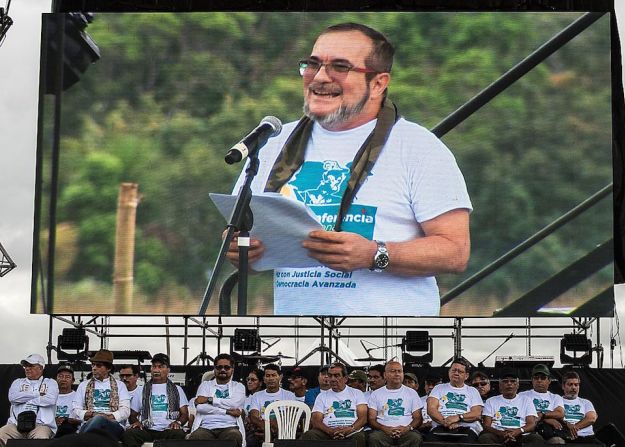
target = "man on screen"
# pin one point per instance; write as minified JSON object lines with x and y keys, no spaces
{"x":389,"y":194}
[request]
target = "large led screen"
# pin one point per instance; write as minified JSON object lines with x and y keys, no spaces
{"x":125,"y":224}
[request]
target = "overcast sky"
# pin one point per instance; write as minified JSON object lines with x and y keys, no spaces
{"x":23,"y":333}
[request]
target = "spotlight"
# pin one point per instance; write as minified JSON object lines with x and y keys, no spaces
{"x":417,"y":341}
{"x":246,"y":340}
{"x":73,"y":339}
{"x":576,"y":343}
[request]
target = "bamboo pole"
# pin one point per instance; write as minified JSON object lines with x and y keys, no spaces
{"x":123,"y":270}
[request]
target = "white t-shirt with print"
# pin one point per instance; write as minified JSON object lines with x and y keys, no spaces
{"x":424,"y":410}
{"x":575,"y":410}
{"x":64,"y":407}
{"x":135,"y":394}
{"x":339,"y":409}
{"x":261,"y":399}
{"x":452,"y":400}
{"x":226,"y":396}
{"x":159,"y":405}
{"x":543,"y":402}
{"x":508,"y":413}
{"x":415,"y":179}
{"x":395,"y":406}
{"x":102,"y":399}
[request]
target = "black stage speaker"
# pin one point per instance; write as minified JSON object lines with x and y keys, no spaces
{"x":312,"y":443}
{"x":186,"y":443}
{"x":28,"y":442}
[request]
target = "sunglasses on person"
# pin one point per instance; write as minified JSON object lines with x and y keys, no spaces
{"x":480,"y":383}
{"x":310,"y":67}
{"x":223,"y":367}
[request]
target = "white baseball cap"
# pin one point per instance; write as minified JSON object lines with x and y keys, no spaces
{"x":33,"y":359}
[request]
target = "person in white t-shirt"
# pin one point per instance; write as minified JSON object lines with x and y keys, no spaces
{"x":549,"y":406}
{"x":389,"y":194}
{"x":455,"y":407}
{"x":261,"y":399}
{"x":160,"y":411}
{"x":34,"y":393}
{"x":102,"y":402}
{"x":129,"y":374}
{"x":430,"y":381}
{"x":253,"y":384}
{"x":579,"y":413}
{"x":219,"y":404}
{"x":394,"y":412}
{"x":297,"y":383}
{"x":509,"y":418}
{"x":66,"y":419}
{"x":340,"y":412}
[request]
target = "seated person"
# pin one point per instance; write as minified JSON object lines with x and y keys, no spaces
{"x":340,"y":412}
{"x":455,"y":408}
{"x":357,"y":379}
{"x":394,"y":412}
{"x":102,"y":402}
{"x":549,"y":407}
{"x":579,"y":413}
{"x":129,"y":374}
{"x":32,"y":394}
{"x":509,"y":418}
{"x":481,"y":382}
{"x":324,"y":385}
{"x":411,"y":381}
{"x":161,"y":410}
{"x":297,"y":384}
{"x":66,"y":419}
{"x":375,"y":378}
{"x":219,"y":405}
{"x":430,"y":381}
{"x":261,"y":399}
{"x":254,"y":383}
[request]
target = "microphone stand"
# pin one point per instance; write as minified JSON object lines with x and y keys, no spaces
{"x":240,"y":220}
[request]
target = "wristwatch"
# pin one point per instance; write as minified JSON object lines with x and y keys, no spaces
{"x":380,"y":259}
{"x":461,"y":418}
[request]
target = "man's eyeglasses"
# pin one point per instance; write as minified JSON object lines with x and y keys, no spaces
{"x":252,"y":379}
{"x":121,"y":376}
{"x":98,"y":365}
{"x":310,"y":67}
{"x":223,"y":367}
{"x":480,"y":383}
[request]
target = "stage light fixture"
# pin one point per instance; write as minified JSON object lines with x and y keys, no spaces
{"x":246,"y":340}
{"x":417,"y":341}
{"x":73,"y":339}
{"x":576,"y":343}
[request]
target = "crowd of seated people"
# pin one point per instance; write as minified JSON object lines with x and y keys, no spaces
{"x":377,"y":408}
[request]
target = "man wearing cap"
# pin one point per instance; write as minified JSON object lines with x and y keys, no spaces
{"x":324,"y":385}
{"x":549,"y":406}
{"x":219,"y":404}
{"x":340,"y":412}
{"x":161,"y":408}
{"x":357,"y":379}
{"x":454,"y":407}
{"x":32,"y":394}
{"x":102,"y":402}
{"x":297,"y":384}
{"x":481,"y":382}
{"x":66,"y":419}
{"x":509,"y":418}
{"x":411,"y":381}
{"x":394,"y":411}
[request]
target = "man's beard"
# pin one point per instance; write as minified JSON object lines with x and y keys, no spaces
{"x":343,"y":114}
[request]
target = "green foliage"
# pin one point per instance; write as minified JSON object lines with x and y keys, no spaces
{"x":174,"y":91}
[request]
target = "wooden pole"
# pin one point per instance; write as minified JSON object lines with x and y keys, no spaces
{"x":123,"y":271}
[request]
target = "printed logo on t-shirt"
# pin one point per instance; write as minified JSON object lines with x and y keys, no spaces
{"x":101,"y":399}
{"x":507,"y":417}
{"x":62,"y":411}
{"x":541,"y":405}
{"x":225,"y":394}
{"x":321,"y":185}
{"x":272,"y":415}
{"x":342,"y":409}
{"x":573,"y":412}
{"x":394,"y":407}
{"x":455,"y":401}
{"x":158,"y":402}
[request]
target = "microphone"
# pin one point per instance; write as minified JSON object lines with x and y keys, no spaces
{"x":269,"y":126}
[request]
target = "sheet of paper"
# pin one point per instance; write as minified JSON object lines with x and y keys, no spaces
{"x":281,"y":224}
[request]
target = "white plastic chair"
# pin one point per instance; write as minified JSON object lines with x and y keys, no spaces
{"x":288,"y":414}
